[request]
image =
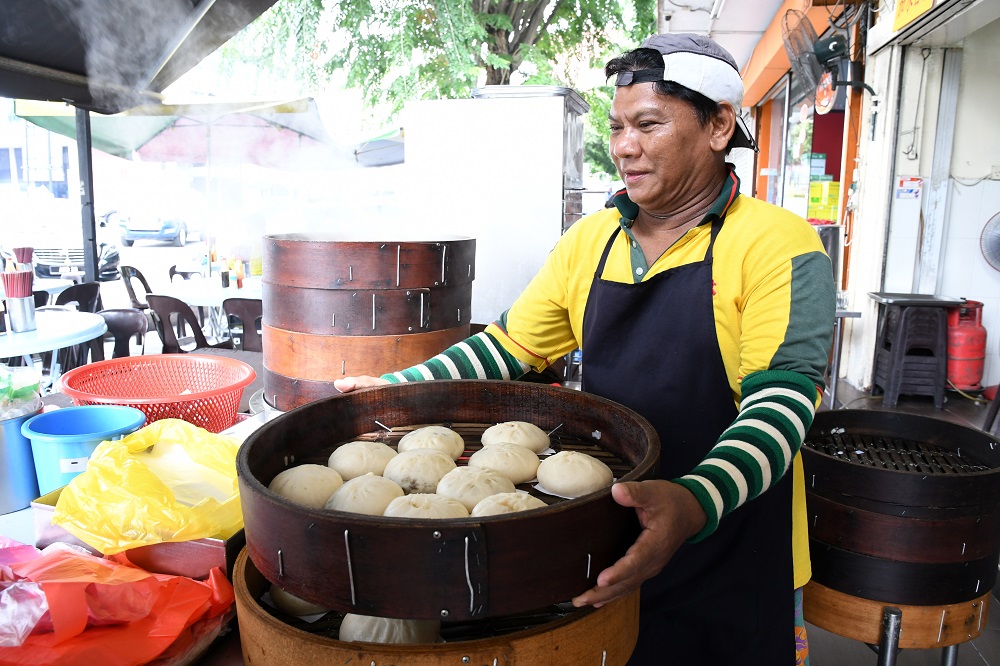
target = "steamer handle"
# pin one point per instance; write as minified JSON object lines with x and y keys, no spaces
{"x":425,"y":306}
{"x":468,"y":580}
{"x":444,"y":255}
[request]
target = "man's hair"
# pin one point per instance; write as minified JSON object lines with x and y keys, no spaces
{"x":639,"y":59}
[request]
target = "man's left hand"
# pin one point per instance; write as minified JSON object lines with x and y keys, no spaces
{"x":669,"y":515}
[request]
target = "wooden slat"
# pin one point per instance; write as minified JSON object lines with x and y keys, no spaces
{"x":604,"y":636}
{"x":901,"y":582}
{"x":324,"y":262}
{"x":905,"y":538}
{"x":329,"y":357}
{"x":366,"y":311}
{"x":922,"y":627}
{"x":286,"y":393}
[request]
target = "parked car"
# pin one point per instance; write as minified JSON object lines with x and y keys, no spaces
{"x":166,"y":226}
{"x":55,"y":233}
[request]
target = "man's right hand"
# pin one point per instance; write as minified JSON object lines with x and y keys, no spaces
{"x":348,"y":384}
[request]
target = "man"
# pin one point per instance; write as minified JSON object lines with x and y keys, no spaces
{"x":710,"y":314}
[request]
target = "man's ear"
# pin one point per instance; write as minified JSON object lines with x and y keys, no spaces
{"x":723,"y":126}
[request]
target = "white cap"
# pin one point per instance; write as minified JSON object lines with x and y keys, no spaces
{"x":700,"y":64}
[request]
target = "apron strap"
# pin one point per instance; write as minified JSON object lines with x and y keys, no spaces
{"x":716,"y":228}
{"x":604,"y":256}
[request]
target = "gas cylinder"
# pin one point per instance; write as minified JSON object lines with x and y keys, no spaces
{"x":966,"y":346}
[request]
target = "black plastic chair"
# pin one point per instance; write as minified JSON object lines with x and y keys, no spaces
{"x":185,"y":275}
{"x":171,"y":313}
{"x":123,"y":325}
{"x":248,"y":312}
{"x":87,"y":298}
{"x":86,"y":295}
{"x":128,"y":274}
{"x":41,"y":298}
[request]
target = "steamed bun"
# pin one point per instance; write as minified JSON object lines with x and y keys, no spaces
{"x":438,"y":438}
{"x":368,"y":494}
{"x":371,"y":629}
{"x":419,"y":470}
{"x":572,"y":474}
{"x":308,"y":485}
{"x":521,"y":433}
{"x":513,"y":461}
{"x":294,"y":605}
{"x":356,"y":459}
{"x":427,"y":505}
{"x":501,"y":503}
{"x":468,"y":485}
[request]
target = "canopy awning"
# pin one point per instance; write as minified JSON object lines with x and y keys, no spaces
{"x":253,"y":130}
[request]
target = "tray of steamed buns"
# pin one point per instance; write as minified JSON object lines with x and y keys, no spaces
{"x":442,"y":500}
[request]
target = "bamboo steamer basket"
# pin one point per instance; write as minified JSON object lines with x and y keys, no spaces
{"x":904,"y":511}
{"x":460,"y":569}
{"x":336,"y":306}
{"x":603,"y":636}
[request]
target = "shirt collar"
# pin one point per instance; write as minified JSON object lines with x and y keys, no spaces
{"x":730,"y":190}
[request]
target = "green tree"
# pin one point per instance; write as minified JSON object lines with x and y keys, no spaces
{"x":395,"y":51}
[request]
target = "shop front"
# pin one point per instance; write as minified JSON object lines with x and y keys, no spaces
{"x":891,"y":159}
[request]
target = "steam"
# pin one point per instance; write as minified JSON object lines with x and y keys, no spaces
{"x":126,"y":41}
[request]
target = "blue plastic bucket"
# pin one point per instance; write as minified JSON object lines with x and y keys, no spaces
{"x":62,"y":440}
{"x":18,"y":485}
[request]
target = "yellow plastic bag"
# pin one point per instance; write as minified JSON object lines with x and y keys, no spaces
{"x":169,"y":481}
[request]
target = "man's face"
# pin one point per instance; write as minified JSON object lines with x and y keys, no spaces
{"x":663,"y":154}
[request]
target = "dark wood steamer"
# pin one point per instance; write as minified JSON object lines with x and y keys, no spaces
{"x":904,"y":511}
{"x":336,"y":307}
{"x":460,"y":569}
{"x":605,"y":636}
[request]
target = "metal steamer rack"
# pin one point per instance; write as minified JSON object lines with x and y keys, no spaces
{"x":458,"y":570}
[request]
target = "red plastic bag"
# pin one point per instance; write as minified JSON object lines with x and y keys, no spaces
{"x":108,"y":612}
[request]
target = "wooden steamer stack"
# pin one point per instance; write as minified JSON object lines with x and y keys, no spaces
{"x":493,"y":580}
{"x":335,"y":308}
{"x":904,"y":526}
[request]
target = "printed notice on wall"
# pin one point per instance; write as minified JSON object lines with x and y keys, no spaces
{"x":908,"y":10}
{"x":909,"y":188}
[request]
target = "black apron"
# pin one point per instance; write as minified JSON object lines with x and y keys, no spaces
{"x":653,"y":347}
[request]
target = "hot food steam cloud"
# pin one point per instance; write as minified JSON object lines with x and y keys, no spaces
{"x":126,"y":42}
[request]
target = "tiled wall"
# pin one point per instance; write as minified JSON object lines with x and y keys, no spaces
{"x":964,"y":271}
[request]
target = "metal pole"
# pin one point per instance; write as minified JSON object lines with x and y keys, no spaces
{"x":83,"y":144}
{"x":889,"y":644}
{"x":838,"y":335}
{"x":949,"y":656}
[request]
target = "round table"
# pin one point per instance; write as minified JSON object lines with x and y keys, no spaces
{"x":209,"y":292}
{"x":54,"y":329}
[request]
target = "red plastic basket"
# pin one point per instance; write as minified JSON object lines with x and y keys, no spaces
{"x":200,"y":389}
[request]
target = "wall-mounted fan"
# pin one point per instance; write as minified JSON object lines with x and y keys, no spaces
{"x":989,"y":241}
{"x":816,"y":62}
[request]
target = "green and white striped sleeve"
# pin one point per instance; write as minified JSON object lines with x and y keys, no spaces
{"x":478,"y":357}
{"x":776,"y":410}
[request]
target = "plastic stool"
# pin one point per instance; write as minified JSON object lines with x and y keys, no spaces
{"x":912,"y":354}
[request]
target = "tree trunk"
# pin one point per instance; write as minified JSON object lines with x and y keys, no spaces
{"x":497,"y":77}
